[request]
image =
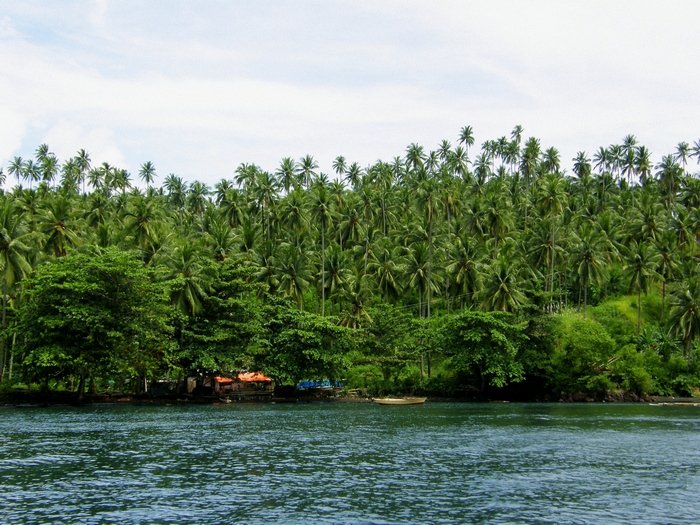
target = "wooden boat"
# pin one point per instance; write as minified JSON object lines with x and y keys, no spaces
{"x":399,"y":400}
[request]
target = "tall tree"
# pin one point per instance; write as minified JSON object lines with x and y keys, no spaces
{"x":147,"y":173}
{"x":321,"y":212}
{"x":641,"y":264}
{"x":14,"y":249}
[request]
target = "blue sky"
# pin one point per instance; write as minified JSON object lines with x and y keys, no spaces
{"x":200,"y":87}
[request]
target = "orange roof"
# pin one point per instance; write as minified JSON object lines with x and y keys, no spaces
{"x":254,"y":377}
{"x":248,"y":377}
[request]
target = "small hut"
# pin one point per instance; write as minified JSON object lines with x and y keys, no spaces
{"x":245,"y":383}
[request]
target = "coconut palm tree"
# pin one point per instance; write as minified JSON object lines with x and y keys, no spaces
{"x":294,"y":215}
{"x":16,"y":168}
{"x":642,"y":164}
{"x":140,"y":222}
{"x":503,"y":290}
{"x":551,"y":202}
{"x":684,"y":317}
{"x":82,"y":161}
{"x":220,"y":239}
{"x":58,"y":225}
{"x":147,"y":173}
{"x":353,"y":175}
{"x":416,"y":272}
{"x":336,"y":273}
{"x":306,"y":171}
{"x":286,"y":174}
{"x":465,"y":268}
{"x":415,"y":157}
{"x":189,"y":278}
{"x":293,"y":273}
{"x":340,"y":165}
{"x":669,"y":174}
{"x":121,"y":179}
{"x":321,"y":213}
{"x":641,"y":263}
{"x":588,"y":258}
{"x":15,"y":237}
{"x":263,"y":191}
{"x":233,"y":207}
{"x":668,"y":265}
{"x":386,"y":265}
{"x":466,"y":137}
{"x":682,"y":153}
{"x":356,"y":291}
{"x":198,"y":197}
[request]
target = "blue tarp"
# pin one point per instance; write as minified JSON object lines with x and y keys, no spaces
{"x":319,"y":383}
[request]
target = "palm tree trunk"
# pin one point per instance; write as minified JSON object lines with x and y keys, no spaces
{"x":663,"y":300}
{"x":323,"y":269}
{"x":2,"y":326}
{"x":639,"y":309}
{"x":551,"y":273}
{"x":430,"y":265}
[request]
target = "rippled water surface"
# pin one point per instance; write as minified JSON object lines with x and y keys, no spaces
{"x":351,"y":463}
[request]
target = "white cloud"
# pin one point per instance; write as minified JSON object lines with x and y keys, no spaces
{"x":197,"y":88}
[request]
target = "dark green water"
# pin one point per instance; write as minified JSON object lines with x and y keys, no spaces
{"x":351,"y":463}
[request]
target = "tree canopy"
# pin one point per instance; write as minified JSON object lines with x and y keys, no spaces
{"x":423,"y":271}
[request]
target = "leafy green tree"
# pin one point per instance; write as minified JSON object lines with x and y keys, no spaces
{"x":224,"y":338}
{"x":484,"y":345}
{"x":389,"y":341}
{"x":300,"y":345}
{"x":87,"y":315}
{"x":583,"y":354}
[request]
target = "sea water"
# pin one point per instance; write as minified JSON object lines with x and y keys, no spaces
{"x":351,"y":463}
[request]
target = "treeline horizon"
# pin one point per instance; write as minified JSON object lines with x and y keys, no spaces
{"x":432,"y":272}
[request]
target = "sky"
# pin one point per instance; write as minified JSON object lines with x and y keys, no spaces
{"x":199,"y":87}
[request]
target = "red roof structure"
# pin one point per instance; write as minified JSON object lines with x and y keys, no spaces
{"x":246,"y":377}
{"x":254,"y":377}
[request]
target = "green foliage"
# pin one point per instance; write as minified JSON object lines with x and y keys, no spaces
{"x":93,"y":314}
{"x":300,"y":345}
{"x":368,"y":378}
{"x":484,"y":345}
{"x":630,"y":371}
{"x":394,"y":256}
{"x":390,"y":342}
{"x":618,"y":318}
{"x":583,"y":350}
{"x":225,"y":337}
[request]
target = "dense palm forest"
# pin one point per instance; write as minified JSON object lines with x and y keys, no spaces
{"x":445,"y":271}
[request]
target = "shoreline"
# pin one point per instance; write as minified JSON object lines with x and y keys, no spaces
{"x":34,"y":399}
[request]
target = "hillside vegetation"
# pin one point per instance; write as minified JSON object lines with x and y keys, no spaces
{"x":496,"y":275}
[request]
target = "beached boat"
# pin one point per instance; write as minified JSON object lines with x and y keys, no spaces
{"x":400,"y":400}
